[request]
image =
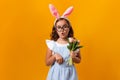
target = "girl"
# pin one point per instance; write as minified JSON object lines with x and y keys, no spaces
{"x":57,"y":53}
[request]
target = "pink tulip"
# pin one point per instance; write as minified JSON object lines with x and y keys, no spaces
{"x":76,"y":51}
{"x":71,"y":39}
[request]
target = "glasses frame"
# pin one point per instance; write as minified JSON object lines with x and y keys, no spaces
{"x":64,"y":27}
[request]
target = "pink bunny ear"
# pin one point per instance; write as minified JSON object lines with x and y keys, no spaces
{"x":68,"y":12}
{"x":54,"y":11}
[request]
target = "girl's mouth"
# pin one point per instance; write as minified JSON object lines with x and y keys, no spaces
{"x":63,"y":33}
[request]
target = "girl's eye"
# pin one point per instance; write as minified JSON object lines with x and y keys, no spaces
{"x":59,"y":27}
{"x":65,"y":26}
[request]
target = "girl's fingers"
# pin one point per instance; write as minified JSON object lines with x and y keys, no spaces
{"x":60,"y":60}
{"x":73,"y":55}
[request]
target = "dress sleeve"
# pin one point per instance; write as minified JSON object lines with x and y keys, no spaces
{"x":50,"y":44}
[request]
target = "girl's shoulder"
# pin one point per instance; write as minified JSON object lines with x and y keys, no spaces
{"x":50,"y":44}
{"x":48,"y":40}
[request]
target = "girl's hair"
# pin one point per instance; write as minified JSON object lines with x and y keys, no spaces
{"x":54,"y":36}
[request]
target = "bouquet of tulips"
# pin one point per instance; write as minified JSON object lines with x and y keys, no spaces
{"x":73,"y":46}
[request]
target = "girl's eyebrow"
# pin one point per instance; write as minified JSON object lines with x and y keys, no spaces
{"x":62,"y":25}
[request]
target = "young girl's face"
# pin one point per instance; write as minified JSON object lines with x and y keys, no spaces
{"x":62,"y":29}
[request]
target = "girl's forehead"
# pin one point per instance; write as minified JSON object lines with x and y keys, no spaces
{"x":61,"y":22}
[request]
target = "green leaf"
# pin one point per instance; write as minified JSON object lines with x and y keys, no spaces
{"x":68,"y":40}
{"x":68,"y":47}
{"x":80,"y":46}
{"x":77,"y":47}
{"x":73,"y":45}
{"x":76,"y":43}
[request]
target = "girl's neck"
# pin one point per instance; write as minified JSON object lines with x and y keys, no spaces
{"x":62,"y":39}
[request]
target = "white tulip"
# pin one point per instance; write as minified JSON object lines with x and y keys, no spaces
{"x":77,"y":50}
{"x":71,"y":39}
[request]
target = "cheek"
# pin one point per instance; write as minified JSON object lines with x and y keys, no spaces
{"x":67,"y":32}
{"x":58,"y":33}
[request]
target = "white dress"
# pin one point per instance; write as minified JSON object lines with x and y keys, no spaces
{"x":61,"y":71}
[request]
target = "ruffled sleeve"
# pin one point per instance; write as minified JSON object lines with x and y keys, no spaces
{"x":50,"y":44}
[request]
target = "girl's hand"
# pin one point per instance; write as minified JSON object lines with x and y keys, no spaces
{"x":58,"y":58}
{"x":73,"y":54}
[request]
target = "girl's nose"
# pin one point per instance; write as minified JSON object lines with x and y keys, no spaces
{"x":62,"y":30}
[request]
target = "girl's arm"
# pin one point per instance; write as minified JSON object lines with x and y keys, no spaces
{"x":77,"y":59}
{"x":50,"y":59}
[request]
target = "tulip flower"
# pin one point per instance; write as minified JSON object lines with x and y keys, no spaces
{"x":73,"y":46}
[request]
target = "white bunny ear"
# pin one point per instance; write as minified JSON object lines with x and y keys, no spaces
{"x":54,"y":11}
{"x":68,"y":12}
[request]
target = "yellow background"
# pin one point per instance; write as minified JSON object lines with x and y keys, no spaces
{"x":25,"y":24}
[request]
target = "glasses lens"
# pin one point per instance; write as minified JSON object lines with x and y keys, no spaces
{"x":59,"y":28}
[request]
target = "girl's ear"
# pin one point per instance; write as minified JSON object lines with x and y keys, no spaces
{"x":54,"y":11}
{"x":68,"y":11}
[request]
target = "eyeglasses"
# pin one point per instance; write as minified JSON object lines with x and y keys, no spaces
{"x":60,"y":28}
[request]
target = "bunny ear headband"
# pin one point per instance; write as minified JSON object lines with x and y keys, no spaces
{"x":55,"y":13}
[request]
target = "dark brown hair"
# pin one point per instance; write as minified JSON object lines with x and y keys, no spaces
{"x":54,"y":36}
